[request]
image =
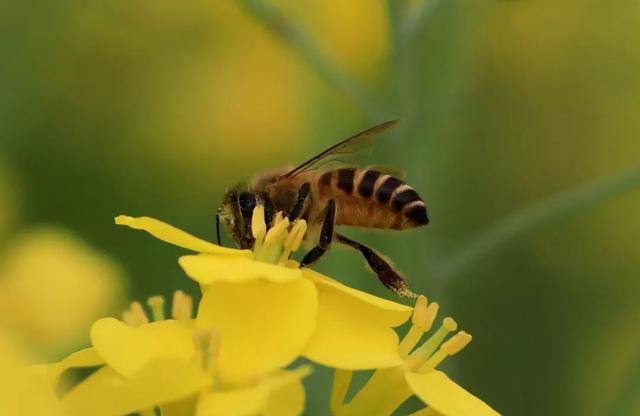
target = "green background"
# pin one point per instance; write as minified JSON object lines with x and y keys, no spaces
{"x":520,"y":129}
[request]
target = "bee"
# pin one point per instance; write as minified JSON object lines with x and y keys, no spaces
{"x":327,"y":196}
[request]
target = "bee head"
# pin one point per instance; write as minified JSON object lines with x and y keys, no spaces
{"x":235,"y":213}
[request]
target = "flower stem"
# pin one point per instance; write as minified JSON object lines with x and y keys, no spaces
{"x":551,"y":208}
{"x":298,"y":40}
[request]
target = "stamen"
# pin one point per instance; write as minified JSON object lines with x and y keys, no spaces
{"x":422,"y":354}
{"x":272,"y":247}
{"x":207,"y":343}
{"x":451,"y":347}
{"x":456,"y":343}
{"x":182,"y":306}
{"x":423,"y":316}
{"x":258,"y":226}
{"x":135,"y":316}
{"x":278,"y":232}
{"x":156,"y":303}
{"x":294,"y":239}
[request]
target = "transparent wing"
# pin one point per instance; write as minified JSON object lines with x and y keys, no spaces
{"x":342,"y":152}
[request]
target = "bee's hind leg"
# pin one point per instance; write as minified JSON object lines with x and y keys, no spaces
{"x":389,"y":277}
{"x":326,"y":235}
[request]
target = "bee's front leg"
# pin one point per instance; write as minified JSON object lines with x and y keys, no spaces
{"x":303,"y":193}
{"x":326,"y":235}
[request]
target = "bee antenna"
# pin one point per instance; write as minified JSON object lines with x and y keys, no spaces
{"x":218,"y":228}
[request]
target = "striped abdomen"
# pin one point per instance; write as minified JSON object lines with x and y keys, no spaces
{"x":368,"y":198}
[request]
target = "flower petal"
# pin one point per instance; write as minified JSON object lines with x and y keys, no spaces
{"x":127,"y":349}
{"x":446,"y":397}
{"x":175,"y":236}
{"x":281,"y":394}
{"x":21,"y":391}
{"x":87,"y":357}
{"x":287,"y":394}
{"x":107,"y":393}
{"x":262,"y":325}
{"x":354,"y":328}
{"x":206,"y":269}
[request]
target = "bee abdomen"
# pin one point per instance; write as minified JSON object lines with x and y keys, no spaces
{"x":369,"y":198}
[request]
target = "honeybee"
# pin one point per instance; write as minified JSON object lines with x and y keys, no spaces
{"x":326,"y":195}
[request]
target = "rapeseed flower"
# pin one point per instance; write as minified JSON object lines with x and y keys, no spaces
{"x":168,"y":364}
{"x":258,"y":313}
{"x":417,"y":375}
{"x":261,"y":293}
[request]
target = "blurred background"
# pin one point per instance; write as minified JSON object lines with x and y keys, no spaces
{"x":519,"y":128}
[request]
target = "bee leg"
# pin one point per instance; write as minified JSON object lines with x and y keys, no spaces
{"x":303,"y":193}
{"x":389,"y":277}
{"x":269,"y":212}
{"x":326,"y":235}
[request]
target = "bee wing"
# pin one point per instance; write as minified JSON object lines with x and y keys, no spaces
{"x":340,"y":153}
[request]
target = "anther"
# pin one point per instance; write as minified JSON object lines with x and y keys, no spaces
{"x":156,"y":303}
{"x":451,"y":347}
{"x":294,"y":239}
{"x":182,"y":305}
{"x":278,"y":232}
{"x":424,"y":314}
{"x":135,"y":316}
{"x":258,"y":226}
{"x":456,"y":343}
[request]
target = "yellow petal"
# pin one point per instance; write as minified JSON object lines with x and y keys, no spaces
{"x":107,"y":393}
{"x":206,"y":269}
{"x":127,"y":349}
{"x":446,"y":397}
{"x":22,"y":392}
{"x":427,"y":411}
{"x":354,"y":329}
{"x":175,"y":236}
{"x":183,"y":407}
{"x":287,"y":395}
{"x":280,"y":394}
{"x":87,"y":357}
{"x":262,"y":326}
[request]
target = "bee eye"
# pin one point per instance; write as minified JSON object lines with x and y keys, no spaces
{"x":247,"y":201}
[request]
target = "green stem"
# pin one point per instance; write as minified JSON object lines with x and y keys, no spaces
{"x":552,"y":208}
{"x":417,"y":18}
{"x":301,"y":43}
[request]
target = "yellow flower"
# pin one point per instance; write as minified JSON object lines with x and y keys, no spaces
{"x":22,"y":392}
{"x":269,"y":311}
{"x":53,"y":286}
{"x":171,"y":364}
{"x":389,"y":388}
